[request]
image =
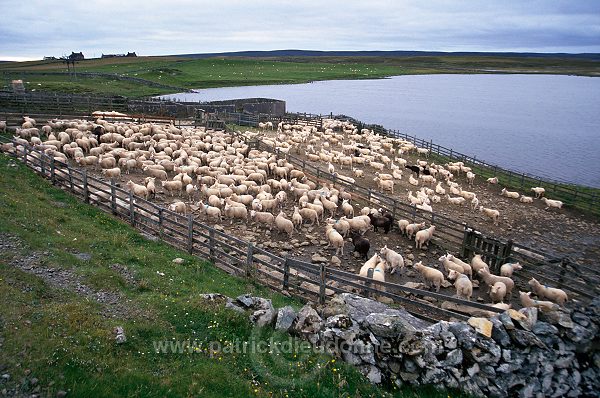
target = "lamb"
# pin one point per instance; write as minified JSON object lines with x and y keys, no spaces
{"x":335,"y":239}
{"x":432,"y":276}
{"x":551,"y":293}
{"x":178,"y":207}
{"x":139,"y":190}
{"x":358,"y":173}
{"x":422,"y":237}
{"x":492,"y":180}
{"x":539,"y":192}
{"x":341,"y":225}
{"x":525,"y":199}
{"x":491,"y":213}
{"x":361,"y":244}
{"x":498,"y":292}
{"x":491,"y":279}
{"x":464,"y":287}
{"x":112,"y":173}
{"x":474,"y":203}
{"x":394,"y":259}
{"x":412,"y":229}
{"x":510,"y":194}
{"x":508,"y":269}
{"x":527,"y":301}
{"x":370,"y":263}
{"x":439,"y":190}
{"x":557,"y":204}
{"x":172,"y":186}
{"x":232,"y":212}
{"x":413,"y":181}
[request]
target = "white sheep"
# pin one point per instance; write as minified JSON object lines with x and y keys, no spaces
{"x":210,"y":211}
{"x":412,"y":229}
{"x":402,"y":224}
{"x":551,"y":293}
{"x":150,"y":186}
{"x":525,"y":199}
{"x":172,"y":186}
{"x":283,"y":224}
{"x":310,"y":215}
{"x":557,"y":204}
{"x":335,"y":239}
{"x":459,"y":200}
{"x":424,"y":236}
{"x":539,"y":192}
{"x":470,"y":177}
{"x":527,"y":301}
{"x":491,"y":213}
{"x":507,"y":269}
{"x":490,"y":279}
{"x":432,"y":276}
{"x":510,"y":194}
{"x":239,"y":212}
{"x":464,"y":287}
{"x":498,"y":292}
{"x":137,"y":189}
{"x":190,"y":191}
{"x":393,"y":258}
{"x":477,"y":264}
{"x":450,"y":265}
{"x":467,"y":269}
{"x":492,"y":180}
{"x":178,"y":207}
{"x":347,"y":208}
{"x":296,"y":218}
{"x":474,"y":203}
{"x":115,"y":172}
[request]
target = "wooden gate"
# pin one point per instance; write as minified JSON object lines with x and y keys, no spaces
{"x":493,"y":251}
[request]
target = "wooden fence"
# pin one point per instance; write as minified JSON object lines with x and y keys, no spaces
{"x":572,"y":195}
{"x":460,"y":238}
{"x":234,"y":255}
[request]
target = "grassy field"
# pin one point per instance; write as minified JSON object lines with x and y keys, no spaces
{"x":56,"y":336}
{"x":223,"y":72}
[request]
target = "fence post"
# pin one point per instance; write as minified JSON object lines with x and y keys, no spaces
{"x":131,"y":209}
{"x":286,"y":273}
{"x":25,"y":152}
{"x":70,"y":178}
{"x":52,"y":167}
{"x":160,"y":222}
{"x":466,"y":241}
{"x":190,"y":233}
{"x":322,"y":280}
{"x":249,"y":259}
{"x":211,"y":244}
{"x":43,"y":163}
{"x":86,"y":196}
{"x":113,"y":196}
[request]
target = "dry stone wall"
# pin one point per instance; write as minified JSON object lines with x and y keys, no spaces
{"x":525,"y":353}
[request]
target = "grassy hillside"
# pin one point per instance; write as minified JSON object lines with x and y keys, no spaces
{"x":69,"y":274}
{"x":187,"y":73}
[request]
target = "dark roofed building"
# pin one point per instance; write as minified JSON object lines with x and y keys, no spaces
{"x":76,"y":56}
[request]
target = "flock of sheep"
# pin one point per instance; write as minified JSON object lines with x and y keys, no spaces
{"x":252,"y":186}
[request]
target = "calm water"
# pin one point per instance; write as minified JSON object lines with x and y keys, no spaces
{"x":541,"y":124}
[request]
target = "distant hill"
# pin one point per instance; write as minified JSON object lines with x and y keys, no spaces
{"x":312,"y":53}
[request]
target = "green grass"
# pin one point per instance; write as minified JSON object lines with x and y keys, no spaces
{"x":225,"y":72}
{"x":62,"y":339}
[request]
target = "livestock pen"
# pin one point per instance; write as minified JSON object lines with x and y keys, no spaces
{"x":307,"y":280}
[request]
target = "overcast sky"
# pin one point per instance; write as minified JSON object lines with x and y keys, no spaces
{"x":31,"y":29}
